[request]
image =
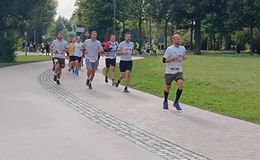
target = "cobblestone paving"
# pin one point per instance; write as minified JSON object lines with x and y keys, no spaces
{"x":157,"y":145}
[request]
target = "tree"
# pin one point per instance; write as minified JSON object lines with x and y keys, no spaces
{"x":245,"y":13}
{"x":42,"y":17}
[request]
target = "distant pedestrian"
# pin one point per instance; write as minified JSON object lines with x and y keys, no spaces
{"x":47,"y":48}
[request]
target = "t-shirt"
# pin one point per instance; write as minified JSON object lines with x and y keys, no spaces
{"x":174,"y":66}
{"x":78,"y":47}
{"x":155,"y":47}
{"x":58,"y":46}
{"x":71,"y":49}
{"x":92,"y":47}
{"x":126,"y":46}
{"x":112,"y":47}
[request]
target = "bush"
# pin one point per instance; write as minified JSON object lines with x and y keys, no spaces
{"x":7,"y":50}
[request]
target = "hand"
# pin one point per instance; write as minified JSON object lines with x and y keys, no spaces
{"x":175,"y":58}
{"x":63,"y":49}
{"x":86,"y":52}
{"x":126,"y":52}
{"x":185,"y":57}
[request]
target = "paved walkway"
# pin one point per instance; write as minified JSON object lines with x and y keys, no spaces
{"x":122,"y":126}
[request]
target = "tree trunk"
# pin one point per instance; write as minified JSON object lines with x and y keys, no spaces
{"x":165,"y":34}
{"x":228,"y":42}
{"x":150,"y":33}
{"x":214,"y":42}
{"x":251,"y":34}
{"x":197,"y":36}
{"x":191,"y":35}
{"x":140,"y":30}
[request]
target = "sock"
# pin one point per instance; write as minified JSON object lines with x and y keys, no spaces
{"x":166,"y":94}
{"x":113,"y":79}
{"x":90,"y":81}
{"x":178,"y":95}
{"x":118,"y":82}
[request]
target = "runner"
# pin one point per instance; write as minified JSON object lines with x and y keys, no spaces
{"x":58,"y":48}
{"x":173,"y":57}
{"x":93,"y":48}
{"x":78,"y":55}
{"x":125,"y":50}
{"x":110,"y":49}
{"x":72,"y":57}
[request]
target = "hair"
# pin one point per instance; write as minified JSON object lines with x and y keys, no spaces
{"x":94,"y":32}
{"x":60,"y":33}
{"x":175,"y":35}
{"x":127,"y":33}
{"x":112,"y":35}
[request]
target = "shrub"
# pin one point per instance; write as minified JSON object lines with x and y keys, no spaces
{"x":7,"y":50}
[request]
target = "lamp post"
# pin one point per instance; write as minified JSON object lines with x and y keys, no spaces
{"x":26,"y":46}
{"x":43,"y":30}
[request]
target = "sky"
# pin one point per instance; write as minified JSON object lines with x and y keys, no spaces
{"x":65,"y":8}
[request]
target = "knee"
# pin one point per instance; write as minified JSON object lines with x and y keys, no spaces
{"x":181,"y":86}
{"x":167,"y":88}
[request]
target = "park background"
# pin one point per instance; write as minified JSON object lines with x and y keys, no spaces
{"x":222,"y":36}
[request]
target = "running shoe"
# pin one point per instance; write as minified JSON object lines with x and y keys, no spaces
{"x":90,"y":86}
{"x":55,"y":78}
{"x":116,"y":85}
{"x":58,"y":82}
{"x":165,"y":105}
{"x":126,"y":90}
{"x":87,"y":83}
{"x":177,"y":106}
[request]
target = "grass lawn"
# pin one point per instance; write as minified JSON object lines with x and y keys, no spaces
{"x":225,"y":84}
{"x":26,"y":59}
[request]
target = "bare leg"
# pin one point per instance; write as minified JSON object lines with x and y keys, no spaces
{"x":128,"y":78}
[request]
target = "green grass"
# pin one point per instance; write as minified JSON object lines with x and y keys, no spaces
{"x":225,"y":84}
{"x":26,"y":59}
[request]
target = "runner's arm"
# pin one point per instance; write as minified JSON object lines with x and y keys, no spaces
{"x":106,"y":48}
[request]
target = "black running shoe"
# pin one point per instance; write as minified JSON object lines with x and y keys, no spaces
{"x":126,"y":90}
{"x":116,"y":85}
{"x":58,"y":82}
{"x":87,"y":83}
{"x":55,"y":78}
{"x":90,"y":86}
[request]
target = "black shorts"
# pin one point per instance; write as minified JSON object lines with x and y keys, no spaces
{"x":110,"y":62}
{"x":78,"y":59}
{"x":125,"y":65}
{"x":60,"y":61}
{"x":73,"y":58}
